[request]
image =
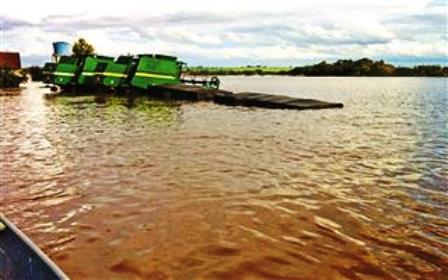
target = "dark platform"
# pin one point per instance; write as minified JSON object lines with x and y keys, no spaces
{"x":251,"y":99}
{"x":248,"y":99}
{"x":185,"y":92}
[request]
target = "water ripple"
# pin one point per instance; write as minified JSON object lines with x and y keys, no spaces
{"x":122,"y":187}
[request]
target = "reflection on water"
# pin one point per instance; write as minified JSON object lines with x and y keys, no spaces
{"x":129,"y":187}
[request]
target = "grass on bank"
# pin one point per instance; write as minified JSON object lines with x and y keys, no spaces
{"x":237,"y":70}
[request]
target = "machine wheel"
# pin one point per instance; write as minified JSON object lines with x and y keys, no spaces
{"x":215,"y":82}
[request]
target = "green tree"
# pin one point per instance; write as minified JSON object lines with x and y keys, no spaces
{"x":82,"y":47}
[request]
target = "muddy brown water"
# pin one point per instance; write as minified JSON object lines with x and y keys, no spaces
{"x":132,"y":188}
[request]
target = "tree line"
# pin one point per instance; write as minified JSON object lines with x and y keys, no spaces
{"x":347,"y":67}
{"x":367,"y":67}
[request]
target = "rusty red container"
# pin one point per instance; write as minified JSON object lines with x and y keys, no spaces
{"x":10,"y":60}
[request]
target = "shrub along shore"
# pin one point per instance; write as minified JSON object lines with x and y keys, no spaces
{"x":362,"y":67}
{"x":12,"y":78}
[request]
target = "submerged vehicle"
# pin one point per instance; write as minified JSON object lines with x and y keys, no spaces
{"x":139,"y":72}
{"x":48,"y":72}
{"x":159,"y":76}
{"x":92,"y":70}
{"x":116,"y":72}
{"x":20,"y":258}
{"x":66,"y":71}
{"x":155,"y":70}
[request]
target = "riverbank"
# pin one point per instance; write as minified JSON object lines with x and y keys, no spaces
{"x":342,"y":68}
{"x":248,"y":70}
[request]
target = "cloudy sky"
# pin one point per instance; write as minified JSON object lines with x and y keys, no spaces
{"x":280,"y":32}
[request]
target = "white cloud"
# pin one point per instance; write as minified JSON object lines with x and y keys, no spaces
{"x":242,"y":32}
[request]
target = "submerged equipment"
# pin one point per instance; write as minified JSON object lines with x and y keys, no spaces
{"x":101,"y":72}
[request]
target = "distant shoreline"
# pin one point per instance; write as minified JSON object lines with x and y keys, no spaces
{"x":341,"y":68}
{"x":302,"y":76}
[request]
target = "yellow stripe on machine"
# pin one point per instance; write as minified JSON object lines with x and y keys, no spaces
{"x":64,"y":74}
{"x":149,"y":75}
{"x":90,"y":73}
{"x":110,"y":74}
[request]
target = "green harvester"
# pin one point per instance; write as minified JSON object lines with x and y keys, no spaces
{"x":116,"y":73}
{"x":142,"y":72}
{"x":153,"y":70}
{"x":66,"y":70}
{"x":48,"y":71}
{"x":93,"y":69}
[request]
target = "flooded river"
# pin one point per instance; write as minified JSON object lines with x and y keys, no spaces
{"x":132,"y":188}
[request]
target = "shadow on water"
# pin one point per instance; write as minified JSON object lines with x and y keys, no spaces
{"x":116,"y":108}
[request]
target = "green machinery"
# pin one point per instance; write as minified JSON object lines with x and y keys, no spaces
{"x":92,"y":70}
{"x":101,"y":72}
{"x":66,"y":71}
{"x":155,"y":70}
{"x":116,"y":73}
{"x":48,"y":71}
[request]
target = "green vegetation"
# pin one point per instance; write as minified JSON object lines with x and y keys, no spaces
{"x":11,"y":79}
{"x":362,"y":67}
{"x":241,"y":70}
{"x":82,"y":48}
{"x":367,"y":67}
